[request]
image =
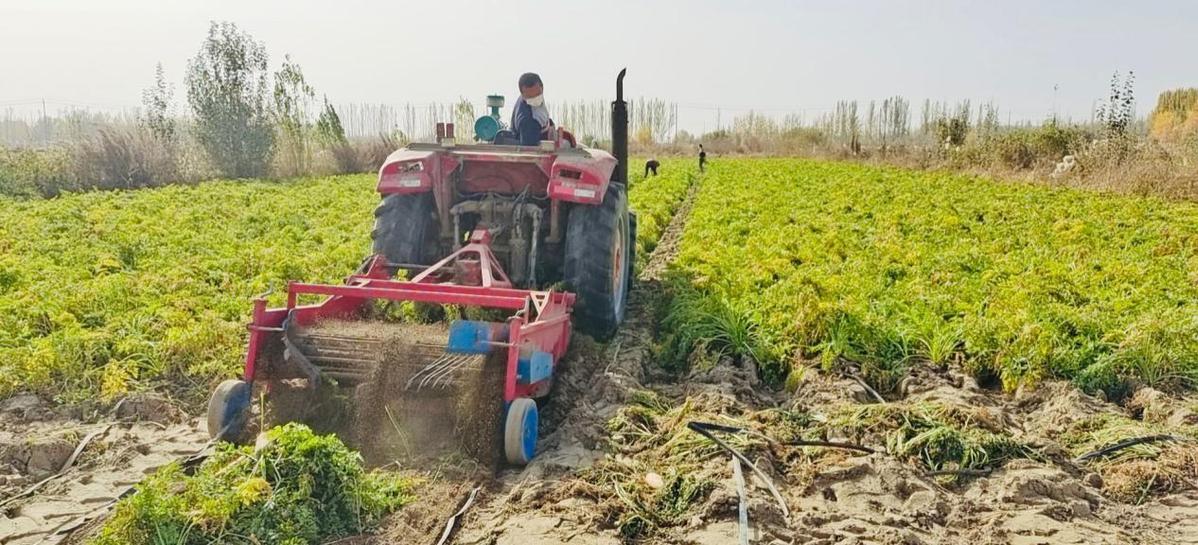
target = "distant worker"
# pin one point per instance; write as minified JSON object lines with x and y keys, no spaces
{"x":530,"y":117}
{"x":702,"y":158}
{"x":651,"y":165}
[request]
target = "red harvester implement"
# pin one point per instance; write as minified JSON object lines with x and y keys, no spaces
{"x":548,"y":215}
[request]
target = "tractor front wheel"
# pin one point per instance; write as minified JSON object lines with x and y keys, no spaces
{"x":599,"y":262}
{"x":403,"y":225}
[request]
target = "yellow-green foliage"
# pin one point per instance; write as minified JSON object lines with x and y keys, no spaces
{"x":28,"y":173}
{"x":1175,"y":116}
{"x":107,"y":291}
{"x":882,"y":266}
{"x":655,"y":199}
{"x":300,"y":488}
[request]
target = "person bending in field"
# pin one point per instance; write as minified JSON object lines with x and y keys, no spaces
{"x":530,"y":117}
{"x":651,"y":166}
{"x":702,"y":158}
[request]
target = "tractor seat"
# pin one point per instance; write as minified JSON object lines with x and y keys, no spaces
{"x":507,"y":138}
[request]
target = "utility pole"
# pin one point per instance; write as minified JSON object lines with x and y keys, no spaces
{"x":1054,"y":103}
{"x":45,"y":124}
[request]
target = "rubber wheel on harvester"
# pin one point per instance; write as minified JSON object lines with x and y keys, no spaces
{"x":402,"y":225}
{"x":520,"y":431}
{"x":228,"y":410}
{"x":598,"y":261}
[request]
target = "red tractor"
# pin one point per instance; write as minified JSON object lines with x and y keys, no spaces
{"x":542,"y":234}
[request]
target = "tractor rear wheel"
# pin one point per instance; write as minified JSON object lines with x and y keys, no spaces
{"x":403,"y":225}
{"x":599,"y":262}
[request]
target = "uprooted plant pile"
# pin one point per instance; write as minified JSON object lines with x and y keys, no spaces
{"x":293,"y":488}
{"x":660,"y":478}
{"x":1158,"y":459}
{"x":941,"y":438}
{"x":659,"y":475}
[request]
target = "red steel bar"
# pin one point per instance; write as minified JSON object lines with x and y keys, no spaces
{"x":457,"y":297}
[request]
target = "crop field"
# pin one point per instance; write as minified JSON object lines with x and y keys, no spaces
{"x":929,"y":302}
{"x":789,"y":259}
{"x":932,"y":328}
{"x":110,"y":291}
{"x":655,"y":201}
{"x":107,"y":292}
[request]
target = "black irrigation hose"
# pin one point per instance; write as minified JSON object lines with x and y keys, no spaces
{"x":830,"y":444}
{"x":1110,"y":449}
{"x":705,"y":429}
{"x":800,"y":443}
{"x":980,"y":472}
{"x":710,"y":426}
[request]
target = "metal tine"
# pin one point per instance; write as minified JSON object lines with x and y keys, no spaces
{"x":440,"y":373}
{"x":420,"y":373}
{"x":432,"y":377}
{"x":453,"y":362}
{"x":423,"y":373}
{"x":450,"y":362}
{"x":447,"y":377}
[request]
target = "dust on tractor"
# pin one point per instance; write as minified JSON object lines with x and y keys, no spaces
{"x":527,"y":241}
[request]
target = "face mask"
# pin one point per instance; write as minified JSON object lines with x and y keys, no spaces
{"x":536,"y":101}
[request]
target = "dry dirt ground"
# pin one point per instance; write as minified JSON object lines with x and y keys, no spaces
{"x":580,"y":488}
{"x":104,"y":455}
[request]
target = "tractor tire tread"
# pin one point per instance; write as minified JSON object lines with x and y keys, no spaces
{"x":588,"y":241}
{"x":401,"y":223}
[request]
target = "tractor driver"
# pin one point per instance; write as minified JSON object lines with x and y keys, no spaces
{"x":530,"y":117}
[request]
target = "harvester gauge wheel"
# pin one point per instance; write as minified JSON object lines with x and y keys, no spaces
{"x":228,"y":410}
{"x":520,"y":431}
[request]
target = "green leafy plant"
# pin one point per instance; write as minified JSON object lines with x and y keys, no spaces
{"x":884,"y":268}
{"x":108,"y":292}
{"x":655,"y":199}
{"x":299,"y":488}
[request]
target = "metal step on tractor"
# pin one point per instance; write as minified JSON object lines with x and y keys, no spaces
{"x":528,"y":242}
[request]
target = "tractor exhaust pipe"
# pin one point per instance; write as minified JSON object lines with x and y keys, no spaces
{"x":619,"y":132}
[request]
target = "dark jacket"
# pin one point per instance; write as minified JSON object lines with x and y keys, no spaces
{"x":526,"y":127}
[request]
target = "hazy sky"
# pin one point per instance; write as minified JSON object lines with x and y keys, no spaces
{"x":774,"y":56}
